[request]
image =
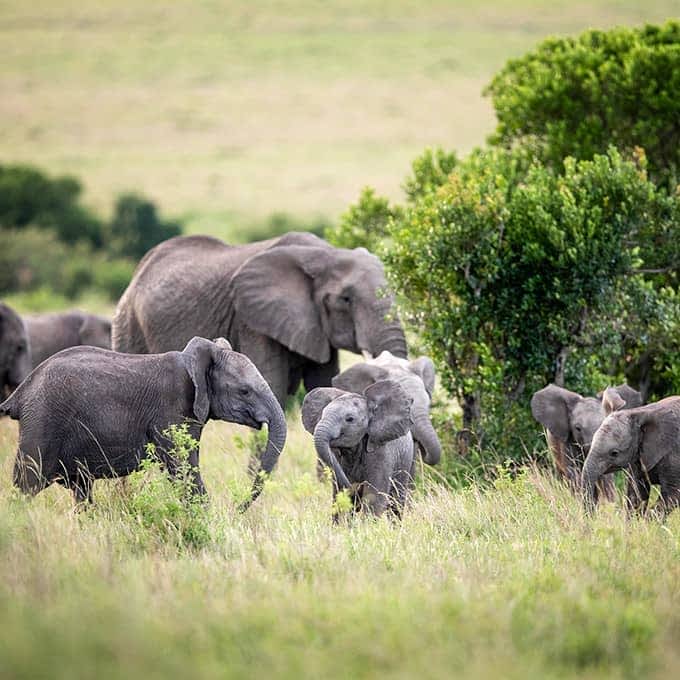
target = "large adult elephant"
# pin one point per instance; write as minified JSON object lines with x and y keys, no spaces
{"x":15,"y":354}
{"x":289,"y":303}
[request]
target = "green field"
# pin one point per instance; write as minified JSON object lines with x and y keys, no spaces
{"x":226,"y":112}
{"x":510,"y":582}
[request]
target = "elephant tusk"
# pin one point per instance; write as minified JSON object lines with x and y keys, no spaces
{"x":366,"y":354}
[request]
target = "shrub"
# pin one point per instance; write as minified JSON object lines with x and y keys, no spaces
{"x":135,"y":227}
{"x":29,"y":198}
{"x":507,"y":271}
{"x":577,"y":96}
{"x":166,"y":509}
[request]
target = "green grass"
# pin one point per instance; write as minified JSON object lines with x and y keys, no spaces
{"x":225,"y":112}
{"x":509,"y":582}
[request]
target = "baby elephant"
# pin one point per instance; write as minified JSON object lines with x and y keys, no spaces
{"x":365,"y":439}
{"x":647,"y":439}
{"x":416,"y":377}
{"x":88,"y":413}
{"x":571,"y":422}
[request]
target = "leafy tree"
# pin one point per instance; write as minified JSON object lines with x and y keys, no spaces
{"x":135,"y":227}
{"x":577,"y":96}
{"x":508,"y":270}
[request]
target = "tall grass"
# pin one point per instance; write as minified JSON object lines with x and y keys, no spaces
{"x":512,"y":581}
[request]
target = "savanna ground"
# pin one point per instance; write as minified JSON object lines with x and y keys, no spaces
{"x":225,"y":113}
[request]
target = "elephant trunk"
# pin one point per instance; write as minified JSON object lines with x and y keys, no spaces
{"x":324,"y":432}
{"x":426,"y":437}
{"x":589,"y":479}
{"x":391,"y":339}
{"x":276,"y":439}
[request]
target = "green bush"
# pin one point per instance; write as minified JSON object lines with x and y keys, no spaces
{"x":577,"y":96}
{"x":135,"y":227}
{"x":29,"y":198}
{"x":508,"y":271}
{"x":166,"y":510}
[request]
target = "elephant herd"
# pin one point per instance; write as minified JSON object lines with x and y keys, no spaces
{"x":206,"y":330}
{"x":211,"y":331}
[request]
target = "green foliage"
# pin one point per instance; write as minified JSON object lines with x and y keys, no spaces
{"x":167,"y":509}
{"x":428,"y":172}
{"x":506,"y":269}
{"x":33,"y":259}
{"x":28,"y":197}
{"x":135,"y":227}
{"x":577,"y":96}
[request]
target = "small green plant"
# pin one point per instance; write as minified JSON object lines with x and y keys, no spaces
{"x":167,"y":509}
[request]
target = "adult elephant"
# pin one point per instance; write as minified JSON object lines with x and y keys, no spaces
{"x":289,"y":303}
{"x":50,"y":333}
{"x":15,"y":355}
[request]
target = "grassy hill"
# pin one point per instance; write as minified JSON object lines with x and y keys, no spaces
{"x":226,"y":112}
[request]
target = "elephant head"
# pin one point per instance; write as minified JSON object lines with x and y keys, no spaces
{"x":313,"y":298}
{"x":95,"y":331}
{"x":416,"y":377}
{"x":15,"y":355}
{"x":228,"y":386}
{"x":341,"y":419}
{"x":644,"y":435}
{"x":572,"y":420}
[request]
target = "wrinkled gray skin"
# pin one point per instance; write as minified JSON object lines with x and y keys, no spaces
{"x":15,"y":354}
{"x":571,"y":422}
{"x":88,"y":413}
{"x":289,"y":303}
{"x":417,"y":379}
{"x":50,"y":333}
{"x":647,"y":441}
{"x":365,"y":439}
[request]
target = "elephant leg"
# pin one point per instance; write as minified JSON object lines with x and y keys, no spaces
{"x":637,"y":489}
{"x":402,"y":484}
{"x":668,"y":475}
{"x":321,"y":375}
{"x":174,"y":466}
{"x":81,"y":487}
{"x":28,"y":474}
{"x":606,"y":487}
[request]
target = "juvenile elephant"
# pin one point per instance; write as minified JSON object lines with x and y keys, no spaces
{"x":88,"y":413}
{"x":289,"y":303}
{"x":15,"y":355}
{"x":645,"y":439}
{"x":50,"y":333}
{"x":417,"y":379}
{"x":571,"y":421}
{"x":365,"y":439}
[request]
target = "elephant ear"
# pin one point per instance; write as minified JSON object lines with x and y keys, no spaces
{"x":273,"y":292}
{"x":660,"y":430}
{"x":612,"y":401}
{"x":424,"y":369}
{"x":631,"y":397}
{"x":223,"y":343}
{"x":198,"y":358}
{"x":389,"y":409}
{"x":358,"y":377}
{"x":551,"y":407}
{"x":314,"y":404}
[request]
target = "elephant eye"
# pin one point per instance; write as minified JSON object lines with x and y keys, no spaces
{"x":349,"y":419}
{"x":615,"y":453}
{"x":346,"y":299}
{"x":244,"y":390}
{"x":577,"y":428}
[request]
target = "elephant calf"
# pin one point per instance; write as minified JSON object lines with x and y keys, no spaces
{"x":571,"y":422}
{"x":366,"y":440}
{"x":15,"y":355}
{"x":644,"y":439}
{"x":50,"y":333}
{"x":416,"y":377}
{"x":88,"y":413}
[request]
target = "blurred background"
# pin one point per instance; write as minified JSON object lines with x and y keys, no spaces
{"x":231,"y":118}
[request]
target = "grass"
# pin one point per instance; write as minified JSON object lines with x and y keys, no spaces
{"x":513,"y":581}
{"x":226,"y":112}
